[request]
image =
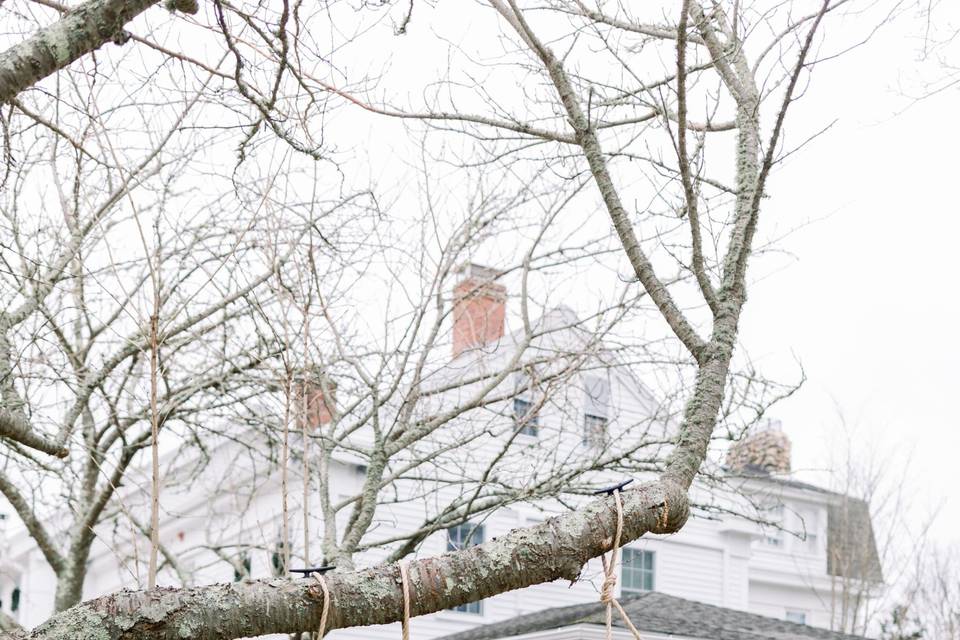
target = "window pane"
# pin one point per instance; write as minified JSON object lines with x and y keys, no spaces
{"x":597,"y":392}
{"x":243,"y":571}
{"x":464,"y":535}
{"x":523,"y":413}
{"x":594,"y":430}
{"x":277,"y":559}
{"x":774,"y":513}
{"x":797,"y":616}
{"x":637,"y":571}
{"x":471,"y":607}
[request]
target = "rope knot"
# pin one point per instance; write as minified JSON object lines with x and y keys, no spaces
{"x":607,"y":590}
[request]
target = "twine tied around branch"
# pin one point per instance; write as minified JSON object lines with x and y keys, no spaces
{"x":405,"y":583}
{"x":610,"y":577}
{"x":326,"y":605}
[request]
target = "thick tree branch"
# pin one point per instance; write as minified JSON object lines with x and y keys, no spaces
{"x":19,"y":430}
{"x":77,"y":33}
{"x":33,"y":524}
{"x":555,"y":549}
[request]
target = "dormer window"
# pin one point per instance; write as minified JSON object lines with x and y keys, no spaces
{"x":525,"y":409}
{"x":596,"y":409}
{"x":525,"y":416}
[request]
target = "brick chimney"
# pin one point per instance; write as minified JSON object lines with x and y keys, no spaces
{"x":765,"y":449}
{"x":479,"y":306}
{"x":316,"y":398}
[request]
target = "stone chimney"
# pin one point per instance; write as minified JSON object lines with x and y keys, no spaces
{"x":316,"y":398}
{"x":764,"y":449}
{"x":479,"y":307}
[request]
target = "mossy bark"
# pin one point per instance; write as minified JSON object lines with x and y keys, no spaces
{"x":78,"y":32}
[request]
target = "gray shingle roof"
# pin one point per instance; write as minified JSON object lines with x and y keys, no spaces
{"x":655,"y":612}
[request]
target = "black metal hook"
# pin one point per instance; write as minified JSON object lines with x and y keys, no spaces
{"x":310,"y":570}
{"x":609,"y":490}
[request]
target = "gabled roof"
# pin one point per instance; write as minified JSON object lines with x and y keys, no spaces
{"x":752,"y":472}
{"x":659,"y":613}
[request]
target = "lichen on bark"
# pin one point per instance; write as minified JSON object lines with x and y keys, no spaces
{"x":78,"y":32}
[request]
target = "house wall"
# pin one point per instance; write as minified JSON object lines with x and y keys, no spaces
{"x":775,"y":600}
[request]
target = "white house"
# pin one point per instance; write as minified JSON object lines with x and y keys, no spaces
{"x":782,"y":565}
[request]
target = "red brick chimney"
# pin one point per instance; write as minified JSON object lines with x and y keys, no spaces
{"x":314,"y":406}
{"x":479,"y":306}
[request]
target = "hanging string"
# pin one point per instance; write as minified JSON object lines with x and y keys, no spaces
{"x":326,"y":605}
{"x":405,"y":583}
{"x":610,"y":577}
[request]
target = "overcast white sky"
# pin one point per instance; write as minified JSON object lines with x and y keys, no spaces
{"x":868,"y":302}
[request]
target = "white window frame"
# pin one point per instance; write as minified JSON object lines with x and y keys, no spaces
{"x":526,"y":416}
{"x":795,"y":615}
{"x":644,"y":573}
{"x":525,"y":392}
{"x":596,"y":410}
{"x":773,"y":536}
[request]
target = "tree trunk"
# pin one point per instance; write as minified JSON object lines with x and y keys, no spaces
{"x":69,"y":591}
